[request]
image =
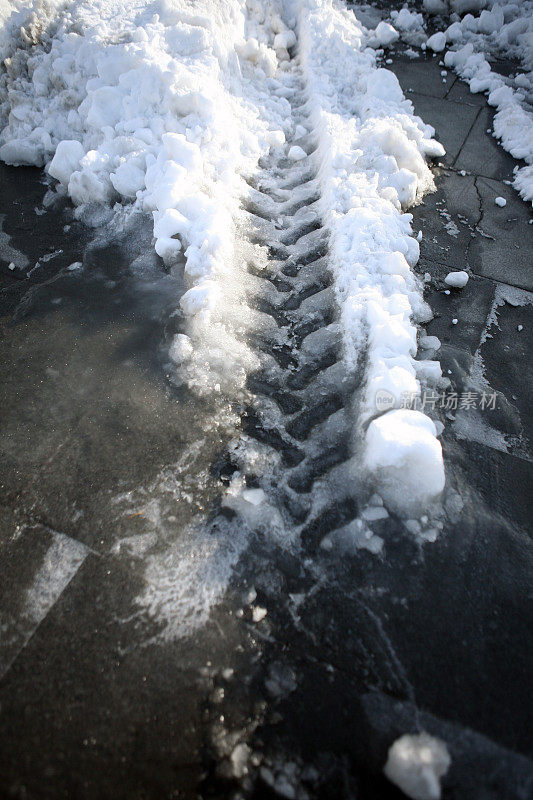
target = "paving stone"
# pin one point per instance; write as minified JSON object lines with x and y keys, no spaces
{"x":37,"y":565}
{"x":448,"y":219}
{"x":503,"y":480}
{"x":504,"y":251}
{"x":481,"y":153}
{"x":463,"y":228}
{"x":460,"y":93}
{"x":470,"y":306}
{"x":452,"y":122}
{"x":506,"y":355}
{"x":421,"y":76}
{"x":96,"y":711}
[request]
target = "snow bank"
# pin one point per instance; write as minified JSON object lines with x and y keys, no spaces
{"x":501,"y":30}
{"x":513,"y":124}
{"x":372,"y":150}
{"x":416,"y":763}
{"x":154,"y":106}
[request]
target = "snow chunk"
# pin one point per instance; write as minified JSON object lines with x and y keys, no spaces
{"x":181,"y":348}
{"x":437,"y":42}
{"x":457,"y":279}
{"x":386,"y":34}
{"x":254,"y":496}
{"x":404,"y":453}
{"x":461,"y":6}
{"x":258,"y":613}
{"x":22,"y":153}
{"x":405,"y":20}
{"x":429,"y":342}
{"x":66,"y":160}
{"x":296,"y":153}
{"x":284,"y":40}
{"x":500,"y":201}
{"x":128,"y":179}
{"x":416,"y":763}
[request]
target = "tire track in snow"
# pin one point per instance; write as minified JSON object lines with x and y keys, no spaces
{"x":303,"y":392}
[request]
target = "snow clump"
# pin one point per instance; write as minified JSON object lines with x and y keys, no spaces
{"x":457,"y":279}
{"x":416,"y":763}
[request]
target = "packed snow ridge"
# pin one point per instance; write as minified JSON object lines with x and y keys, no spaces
{"x":164,"y":108}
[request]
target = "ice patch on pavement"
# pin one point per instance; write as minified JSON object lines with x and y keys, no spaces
{"x":471,"y":424}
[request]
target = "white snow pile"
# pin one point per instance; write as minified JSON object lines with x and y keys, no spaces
{"x":416,"y":763}
{"x":406,"y":20}
{"x":385,"y":35}
{"x":129,"y":106}
{"x":163,"y":107}
{"x":403,"y":451}
{"x":512,"y":34}
{"x":372,"y":151}
{"x":479,"y":31}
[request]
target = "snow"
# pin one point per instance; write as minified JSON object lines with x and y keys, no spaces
{"x":181,"y":348}
{"x":416,"y":763}
{"x":386,"y":34}
{"x":66,"y":160}
{"x":258,"y":614}
{"x":435,"y":6}
{"x":499,"y":31}
{"x":284,"y":40}
{"x":372,"y":151}
{"x":457,"y":279}
{"x":479,"y":31}
{"x":254,"y":496}
{"x":296,"y":153}
{"x":404,"y":451}
{"x":405,"y":20}
{"x":161,"y":109}
{"x":500,"y":201}
{"x":429,"y":342}
{"x":437,"y":42}
{"x":461,"y":6}
{"x":140,"y":108}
